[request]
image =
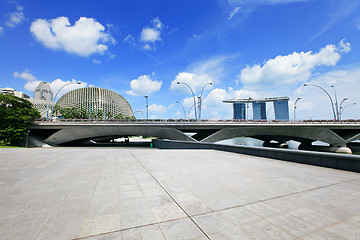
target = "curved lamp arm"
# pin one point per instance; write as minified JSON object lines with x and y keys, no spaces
{"x":332,"y":103}
{"x":192,"y":94}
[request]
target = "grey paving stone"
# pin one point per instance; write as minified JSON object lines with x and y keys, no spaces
{"x":196,"y":207}
{"x":292,"y":224}
{"x":101,"y":224}
{"x":315,"y":218}
{"x":345,"y":231}
{"x":168,"y":211}
{"x":64,"y":193}
{"x":265,"y":230}
{"x":214,"y":222}
{"x":239,"y":215}
{"x":322,"y":235}
{"x":180,"y":229}
{"x":262,"y":209}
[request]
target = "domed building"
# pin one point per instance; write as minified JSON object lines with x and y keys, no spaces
{"x":94,"y":100}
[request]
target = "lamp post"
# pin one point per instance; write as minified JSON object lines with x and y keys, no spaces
{"x":342,"y":109}
{"x":200,"y":98}
{"x":332,"y":103}
{"x":52,"y":109}
{"x":27,"y":137}
{"x":190,"y":111}
{"x":182,"y":108}
{"x":192,"y":94}
{"x":336,"y":104}
{"x":295,"y":107}
{"x":147,"y":107}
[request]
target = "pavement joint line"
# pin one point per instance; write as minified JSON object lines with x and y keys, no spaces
{"x":52,"y":215}
{"x":126,"y":229}
{"x":241,"y":205}
{"x":172,"y":197}
{"x":276,"y":197}
{"x":92,"y":196}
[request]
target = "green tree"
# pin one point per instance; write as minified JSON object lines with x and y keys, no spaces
{"x":109,"y":115}
{"x":99,"y":114}
{"x":119,"y":116}
{"x":16,"y":114}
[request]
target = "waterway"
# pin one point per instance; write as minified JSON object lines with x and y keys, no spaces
{"x":246,"y":141}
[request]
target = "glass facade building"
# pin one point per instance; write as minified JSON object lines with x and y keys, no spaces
{"x":259,"y":110}
{"x":281,"y":108}
{"x":239,"y":111}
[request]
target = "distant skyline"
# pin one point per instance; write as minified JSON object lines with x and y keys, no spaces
{"x":246,"y":48}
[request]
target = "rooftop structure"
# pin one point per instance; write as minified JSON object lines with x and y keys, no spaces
{"x":12,"y":91}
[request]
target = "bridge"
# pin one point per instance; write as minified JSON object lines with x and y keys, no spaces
{"x":336,"y":133}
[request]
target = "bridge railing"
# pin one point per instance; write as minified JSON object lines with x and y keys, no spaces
{"x":203,"y":121}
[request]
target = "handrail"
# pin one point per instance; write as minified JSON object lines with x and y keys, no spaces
{"x":203,"y":121}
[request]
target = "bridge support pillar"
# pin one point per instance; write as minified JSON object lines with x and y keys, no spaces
{"x":275,"y":144}
{"x":334,"y":149}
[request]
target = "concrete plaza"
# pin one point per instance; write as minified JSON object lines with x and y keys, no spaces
{"x":143,"y":193}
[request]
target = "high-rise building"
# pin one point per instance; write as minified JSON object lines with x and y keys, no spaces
{"x":281,"y":108}
{"x":259,"y":110}
{"x":239,"y":110}
{"x":43,"y":92}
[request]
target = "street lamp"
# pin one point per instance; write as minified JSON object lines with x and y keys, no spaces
{"x":190,"y":111}
{"x":182,"y":108}
{"x":295,"y":107}
{"x":332,"y":103}
{"x":192,"y":94}
{"x":52,"y":109}
{"x":147,"y":107}
{"x":342,"y":109}
{"x":336,"y":104}
{"x":200,"y":99}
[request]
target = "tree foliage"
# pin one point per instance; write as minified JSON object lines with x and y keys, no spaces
{"x":16,"y":114}
{"x":76,"y":113}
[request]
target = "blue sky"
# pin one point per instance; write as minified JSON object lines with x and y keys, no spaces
{"x":246,"y":48}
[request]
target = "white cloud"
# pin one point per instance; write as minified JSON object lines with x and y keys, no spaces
{"x":30,"y":86}
{"x":85,"y":37}
{"x":344,"y":46}
{"x":1,"y":30}
{"x":58,"y":83}
{"x":15,"y":18}
{"x":315,"y":103}
{"x":150,"y":35}
{"x":129,"y":39}
{"x":195,"y":81}
{"x":199,"y":74}
{"x":154,"y":108}
{"x":25,"y":75}
{"x":234,"y":12}
{"x":292,"y":69}
{"x":144,"y":86}
{"x":96,"y":61}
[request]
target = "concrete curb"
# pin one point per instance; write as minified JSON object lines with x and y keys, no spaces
{"x":329,"y":160}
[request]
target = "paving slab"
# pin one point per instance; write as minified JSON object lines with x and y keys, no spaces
{"x":143,"y":193}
